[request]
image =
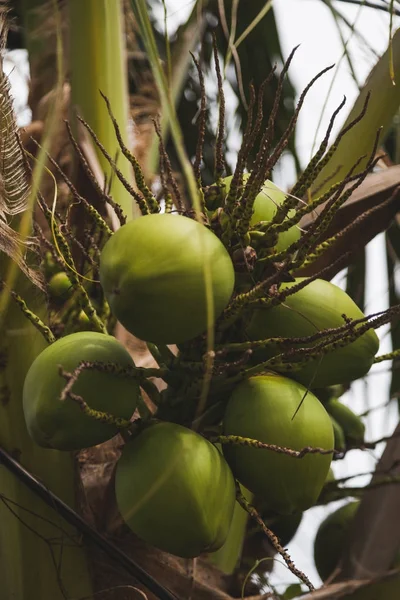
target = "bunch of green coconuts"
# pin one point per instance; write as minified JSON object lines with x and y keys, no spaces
{"x":170,"y":280}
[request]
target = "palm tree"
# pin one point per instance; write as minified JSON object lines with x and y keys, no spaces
{"x":49,"y":548}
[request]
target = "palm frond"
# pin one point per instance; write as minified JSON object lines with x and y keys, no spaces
{"x":14,"y":185}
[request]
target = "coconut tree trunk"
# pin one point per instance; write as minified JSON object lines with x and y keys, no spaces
{"x":39,"y":551}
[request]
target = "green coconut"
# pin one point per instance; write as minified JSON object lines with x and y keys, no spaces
{"x":331,"y":539}
{"x":62,"y":425}
{"x":329,"y":545}
{"x":327,"y":393}
{"x":340,"y":440}
{"x":276,"y":410}
{"x":83,"y":320}
{"x":60,"y":287}
{"x":154,"y":272}
{"x":49,"y":266}
{"x":351,"y":424}
{"x":283,"y":526}
{"x":330,"y":477}
{"x":265,"y":207}
{"x":175,"y":490}
{"x":318,"y":306}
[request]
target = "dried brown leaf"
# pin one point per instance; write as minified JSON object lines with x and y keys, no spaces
{"x":369,"y":210}
{"x":14,"y":186}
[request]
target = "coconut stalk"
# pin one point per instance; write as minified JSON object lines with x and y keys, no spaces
{"x":98,"y":64}
{"x":28,"y":561}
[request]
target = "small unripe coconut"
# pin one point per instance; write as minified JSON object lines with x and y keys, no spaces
{"x":318,"y":306}
{"x":351,"y":424}
{"x":331,"y":538}
{"x":49,"y":265}
{"x":62,"y":425}
{"x":340,"y":440}
{"x":83,"y":320}
{"x":330,"y":477}
{"x":265,"y":207}
{"x":60,"y":287}
{"x":154,"y":272}
{"x":175,"y":490}
{"x":276,"y":410}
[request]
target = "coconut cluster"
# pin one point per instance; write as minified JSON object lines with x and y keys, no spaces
{"x":170,"y":279}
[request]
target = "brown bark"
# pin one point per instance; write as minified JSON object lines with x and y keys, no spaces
{"x":375,"y":531}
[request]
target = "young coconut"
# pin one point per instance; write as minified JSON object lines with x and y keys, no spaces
{"x":276,"y":410}
{"x":330,"y":479}
{"x":318,"y":306}
{"x":62,"y":425}
{"x":154,"y":273}
{"x":265,"y":207}
{"x":175,"y":490}
{"x":331,"y":538}
{"x":351,"y":424}
{"x":340,"y":440}
{"x":329,"y":545}
{"x":60,"y":288}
